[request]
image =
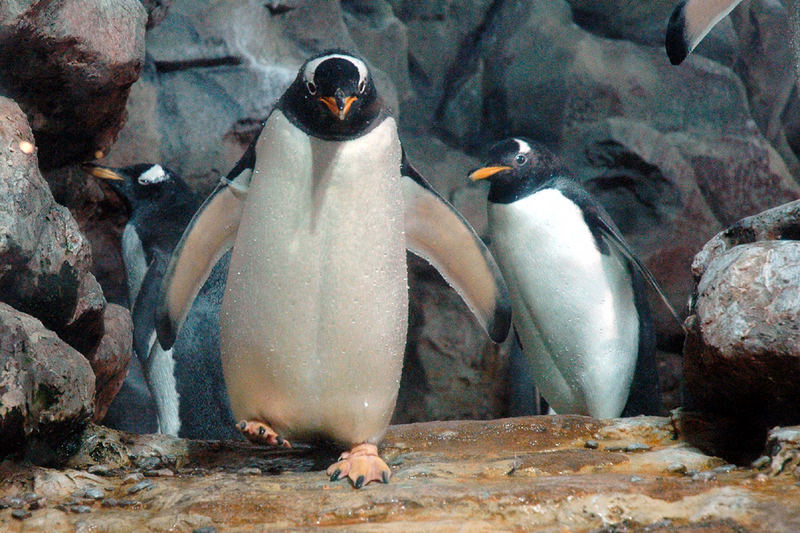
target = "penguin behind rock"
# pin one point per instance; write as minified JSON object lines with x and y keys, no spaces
{"x":185,"y":382}
{"x":691,"y":20}
{"x":320,"y":211}
{"x":577,"y":289}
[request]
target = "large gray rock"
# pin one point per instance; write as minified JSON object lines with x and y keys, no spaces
{"x":742,"y":354}
{"x":44,"y":258}
{"x":70,"y":64}
{"x":110,"y":357}
{"x":46,"y":388}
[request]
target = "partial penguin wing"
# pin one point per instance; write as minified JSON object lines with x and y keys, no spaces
{"x":607,"y":233}
{"x":143,"y":311}
{"x":208,"y":236}
{"x":436,"y":232}
{"x":691,"y":20}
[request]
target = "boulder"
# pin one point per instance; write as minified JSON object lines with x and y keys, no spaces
{"x":45,"y":259}
{"x":742,"y":354}
{"x":70,"y":65}
{"x":110,"y":357}
{"x":46,"y":388}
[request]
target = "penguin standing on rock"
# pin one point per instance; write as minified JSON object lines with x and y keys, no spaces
{"x":320,"y":211}
{"x":185,"y":382}
{"x":580,"y":308}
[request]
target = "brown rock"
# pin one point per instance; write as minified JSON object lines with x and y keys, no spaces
{"x":45,"y":259}
{"x":110,"y":357}
{"x":72,"y":65}
{"x":742,"y":353}
{"x":522,"y":474}
{"x":46,"y":387}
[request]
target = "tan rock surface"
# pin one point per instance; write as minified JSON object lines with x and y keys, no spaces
{"x":531,"y":474}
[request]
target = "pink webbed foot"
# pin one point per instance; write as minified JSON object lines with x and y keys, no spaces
{"x":260,"y":433}
{"x":362,"y":465}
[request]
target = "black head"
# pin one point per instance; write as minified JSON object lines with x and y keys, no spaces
{"x":143,"y":186}
{"x":517,"y":167}
{"x":333,"y":97}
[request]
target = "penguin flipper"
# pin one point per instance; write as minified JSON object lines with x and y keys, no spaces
{"x":143,"y":309}
{"x":690,"y":21}
{"x":611,"y":234}
{"x":208,"y":236}
{"x":436,"y":232}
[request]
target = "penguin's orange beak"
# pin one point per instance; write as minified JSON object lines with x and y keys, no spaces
{"x":101,"y":172}
{"x":338,"y":105}
{"x":486,"y":172}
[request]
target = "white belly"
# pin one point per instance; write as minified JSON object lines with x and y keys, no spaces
{"x":572,"y":306}
{"x":314,"y":318}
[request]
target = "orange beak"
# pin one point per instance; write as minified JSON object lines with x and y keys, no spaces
{"x":338,"y":107}
{"x":486,"y":172}
{"x":101,"y":172}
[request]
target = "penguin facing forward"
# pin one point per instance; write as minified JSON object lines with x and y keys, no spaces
{"x":185,"y":382}
{"x":320,"y":211}
{"x":579,"y":302}
{"x":691,"y":20}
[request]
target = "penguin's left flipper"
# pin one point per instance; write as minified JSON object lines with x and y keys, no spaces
{"x":691,"y":20}
{"x":600,"y":221}
{"x":208,"y":236}
{"x":436,"y":232}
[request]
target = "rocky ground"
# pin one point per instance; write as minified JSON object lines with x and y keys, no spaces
{"x":559,"y":473}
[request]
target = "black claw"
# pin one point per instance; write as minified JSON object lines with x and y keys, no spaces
{"x":385,"y":476}
{"x":243,"y":425}
{"x":279,"y":440}
{"x":335,"y":475}
{"x":261,"y":431}
{"x":359,"y":482}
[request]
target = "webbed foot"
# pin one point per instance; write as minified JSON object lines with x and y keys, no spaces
{"x":260,"y":433}
{"x":362,"y":465}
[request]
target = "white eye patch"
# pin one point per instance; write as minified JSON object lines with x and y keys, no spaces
{"x":154,"y":174}
{"x":524,"y":147}
{"x":311,"y":67}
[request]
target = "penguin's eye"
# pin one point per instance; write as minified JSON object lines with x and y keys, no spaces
{"x":312,"y":87}
{"x":362,"y":85}
{"x":521,"y":159}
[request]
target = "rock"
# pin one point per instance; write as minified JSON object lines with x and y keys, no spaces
{"x":738,"y":176}
{"x":110,"y":358}
{"x":156,"y":11}
{"x":45,"y":259}
{"x":73,"y":66}
{"x":47,"y":389}
{"x":529,"y":474}
{"x":742,"y":353}
{"x":783,"y":447}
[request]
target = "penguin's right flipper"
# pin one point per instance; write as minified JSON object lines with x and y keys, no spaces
{"x":691,"y":20}
{"x":436,"y":232}
{"x":143,"y":309}
{"x":208,"y":236}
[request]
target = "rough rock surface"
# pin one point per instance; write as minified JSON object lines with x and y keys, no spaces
{"x":71,"y":68}
{"x":44,"y":258}
{"x":110,"y":358}
{"x":46,"y":388}
{"x":532,"y":474}
{"x":742,"y":353}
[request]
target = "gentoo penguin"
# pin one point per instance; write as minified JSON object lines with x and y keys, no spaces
{"x":186,"y":381}
{"x":691,"y":20}
{"x":320,"y":211}
{"x":579,"y":301}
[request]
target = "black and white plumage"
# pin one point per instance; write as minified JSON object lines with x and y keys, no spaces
{"x":320,"y":212}
{"x":577,"y":289}
{"x":185,"y":382}
{"x":691,"y":20}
